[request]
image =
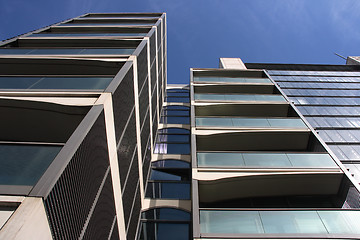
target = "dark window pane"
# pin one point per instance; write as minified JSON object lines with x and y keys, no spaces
{"x":171,"y":164}
{"x":176,"y":113}
{"x":164,"y":231}
{"x":54,"y":82}
{"x":166,"y":190}
{"x":25,"y":164}
{"x":166,"y":214}
{"x":174,"y":131}
{"x":175,"y":120}
{"x":173,"y":138}
{"x":172,"y":148}
{"x":175,"y":107}
{"x":177,"y":99}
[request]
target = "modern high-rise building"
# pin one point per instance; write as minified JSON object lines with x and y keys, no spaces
{"x":261,"y":167}
{"x":96,"y":145}
{"x":80,"y":106}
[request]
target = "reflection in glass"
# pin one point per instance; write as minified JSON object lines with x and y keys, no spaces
{"x":76,"y":34}
{"x":168,"y":190}
{"x":54,"y":82}
{"x":169,"y":163}
{"x":280,"y":222}
{"x":67,"y":51}
{"x":24,"y":164}
{"x":294,"y":160}
{"x":250,"y":122}
{"x":232,"y":79}
{"x":239,"y":97}
{"x":165,"y":231}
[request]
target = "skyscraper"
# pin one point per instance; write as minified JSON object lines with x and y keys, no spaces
{"x":80,"y":105}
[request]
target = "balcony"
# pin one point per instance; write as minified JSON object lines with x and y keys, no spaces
{"x":239,"y":97}
{"x":257,"y":160}
{"x":281,"y":223}
{"x":227,"y":122}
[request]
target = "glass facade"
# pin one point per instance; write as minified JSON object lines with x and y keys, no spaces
{"x":330,"y":102}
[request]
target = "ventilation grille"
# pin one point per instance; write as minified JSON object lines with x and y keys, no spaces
{"x":69,"y":202}
{"x":142,"y":67}
{"x":143,"y":102}
{"x":126,"y":149}
{"x":123,"y":102}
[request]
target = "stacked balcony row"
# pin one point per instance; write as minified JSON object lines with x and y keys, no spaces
{"x":259,"y":171}
{"x":78,"y":104}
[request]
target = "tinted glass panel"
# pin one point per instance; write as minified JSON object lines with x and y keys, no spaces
{"x":171,"y":164}
{"x":230,"y":79}
{"x":65,"y":51}
{"x":25,"y":164}
{"x":231,"y":159}
{"x":84,"y":34}
{"x":238,"y":97}
{"x":165,"y":231}
{"x":172,"y":148}
{"x":168,"y":190}
{"x":174,"y":131}
{"x":166,"y":214}
{"x":54,"y":82}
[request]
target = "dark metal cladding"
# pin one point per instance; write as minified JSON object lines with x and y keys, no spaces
{"x":142,"y":67}
{"x":144,"y":102}
{"x":100,"y":224}
{"x":128,"y":195}
{"x":75,"y":191}
{"x":135,"y":217}
{"x":152,"y":48}
{"x":123,"y":103}
{"x":145,"y":134}
{"x":126,"y":149}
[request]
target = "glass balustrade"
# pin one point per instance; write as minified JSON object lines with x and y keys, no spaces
{"x":239,"y":97}
{"x":67,"y":51}
{"x":232,"y":80}
{"x":265,"y":160}
{"x":24,"y":164}
{"x":250,"y":122}
{"x":54,"y":82}
{"x":73,"y":34}
{"x":279,"y":222}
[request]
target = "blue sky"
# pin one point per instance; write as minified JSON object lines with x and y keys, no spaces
{"x":201,"y":31}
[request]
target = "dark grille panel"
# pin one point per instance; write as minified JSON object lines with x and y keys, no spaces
{"x":153,"y":75}
{"x":126,"y":149}
{"x":142,"y":67}
{"x":160,"y":78}
{"x":152,"y":48}
{"x":101,"y":221}
{"x":123,"y":102}
{"x":155,"y":126}
{"x":143,"y":102}
{"x":129,"y":190}
{"x":159,"y":35}
{"x":146,"y":164}
{"x":160,"y":99}
{"x":115,"y":233}
{"x":154,"y":104}
{"x":69,"y":202}
{"x":145,"y":134}
{"x":131,"y":233}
